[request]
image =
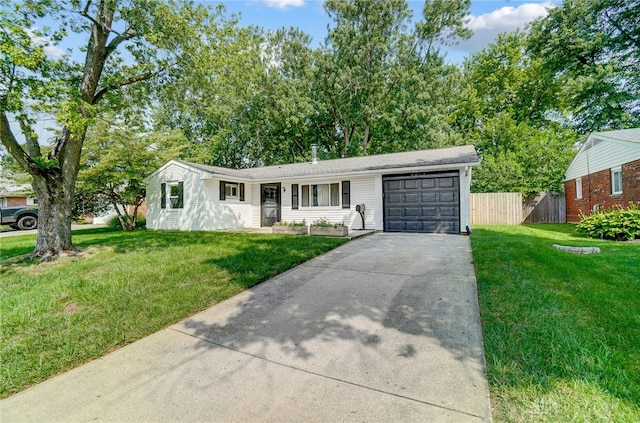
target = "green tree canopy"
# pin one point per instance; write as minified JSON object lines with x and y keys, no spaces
{"x":592,"y":48}
{"x":127,"y":43}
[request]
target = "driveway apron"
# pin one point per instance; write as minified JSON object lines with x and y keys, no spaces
{"x":383,"y":328}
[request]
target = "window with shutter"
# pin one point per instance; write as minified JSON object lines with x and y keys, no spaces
{"x":346,"y":194}
{"x":231,"y":190}
{"x":294,"y":196}
{"x":320,"y":195}
{"x":172,"y":195}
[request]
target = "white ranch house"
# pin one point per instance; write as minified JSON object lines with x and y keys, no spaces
{"x":416,"y":191}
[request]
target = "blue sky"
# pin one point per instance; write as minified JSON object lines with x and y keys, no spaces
{"x":489,"y":18}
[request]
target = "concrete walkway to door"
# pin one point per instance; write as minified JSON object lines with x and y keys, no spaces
{"x":383,"y":328}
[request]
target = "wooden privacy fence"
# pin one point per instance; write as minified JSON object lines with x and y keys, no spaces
{"x":508,"y":208}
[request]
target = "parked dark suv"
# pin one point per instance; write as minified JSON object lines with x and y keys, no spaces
{"x":20,"y":217}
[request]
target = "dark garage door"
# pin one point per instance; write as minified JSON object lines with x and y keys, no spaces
{"x":422,"y":203}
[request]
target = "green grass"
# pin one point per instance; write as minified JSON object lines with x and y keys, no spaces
{"x":561,"y":331}
{"x":125,"y":286}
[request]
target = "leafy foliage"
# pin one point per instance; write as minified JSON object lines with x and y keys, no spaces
{"x":618,"y":223}
{"x":128,"y":44}
{"x":324,"y":223}
{"x":292,"y":223}
{"x":592,"y":49}
{"x":117,"y":156}
{"x":509,"y":108}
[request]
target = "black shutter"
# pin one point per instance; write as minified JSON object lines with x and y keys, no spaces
{"x":223,"y":195}
{"x":163,"y":196}
{"x":294,"y":196}
{"x":180,"y":202}
{"x":346,"y":194}
{"x":241,"y":191}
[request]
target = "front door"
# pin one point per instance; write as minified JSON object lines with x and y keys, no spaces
{"x":270,"y":200}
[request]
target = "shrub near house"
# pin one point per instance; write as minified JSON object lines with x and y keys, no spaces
{"x":618,"y":223}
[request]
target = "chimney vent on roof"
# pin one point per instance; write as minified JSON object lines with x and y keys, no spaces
{"x":314,"y":154}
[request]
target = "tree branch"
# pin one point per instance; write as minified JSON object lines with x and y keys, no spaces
{"x":137,"y":78}
{"x":120,"y":38}
{"x":10,"y":142}
{"x":624,"y":33}
{"x":33,"y":147}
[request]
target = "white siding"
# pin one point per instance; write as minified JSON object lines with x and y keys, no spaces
{"x":202,"y":208}
{"x":603,"y":154}
{"x":465,"y":198}
{"x":255,"y":205}
{"x":362,"y":190}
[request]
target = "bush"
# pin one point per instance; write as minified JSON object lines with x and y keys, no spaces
{"x":114,"y":222}
{"x":294,"y":223}
{"x":618,"y":223}
{"x":324,"y":223}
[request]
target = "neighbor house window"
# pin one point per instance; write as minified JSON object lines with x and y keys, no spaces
{"x":579,"y":188}
{"x":172,"y":195}
{"x":616,"y":180}
{"x":231,"y":190}
{"x":321,"y":195}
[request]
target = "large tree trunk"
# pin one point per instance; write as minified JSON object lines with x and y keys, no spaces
{"x":54,"y":215}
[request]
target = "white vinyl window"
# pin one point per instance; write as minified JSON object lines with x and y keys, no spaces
{"x":231,"y":190}
{"x":579,"y":188}
{"x":616,"y":181}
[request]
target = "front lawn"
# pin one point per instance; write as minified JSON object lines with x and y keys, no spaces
{"x":125,"y":286}
{"x":561,"y":331}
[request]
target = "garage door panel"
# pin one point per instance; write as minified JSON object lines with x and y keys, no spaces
{"x":396,"y":198}
{"x":446,"y":197}
{"x":429,"y":227}
{"x":412,"y":198}
{"x":446,"y":182}
{"x":429,"y":211}
{"x":412,"y":211}
{"x":429,"y":197}
{"x":412,"y":226}
{"x":396,"y":211}
{"x":429,"y":203}
{"x":428,"y":183}
{"x":448,"y":211}
{"x":412,"y":184}
{"x":395,"y":226}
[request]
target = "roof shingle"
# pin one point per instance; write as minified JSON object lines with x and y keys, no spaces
{"x":463,"y":155}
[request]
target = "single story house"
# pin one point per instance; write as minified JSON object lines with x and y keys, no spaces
{"x":415,"y":191}
{"x":604,"y":173}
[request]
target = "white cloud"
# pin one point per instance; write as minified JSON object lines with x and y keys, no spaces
{"x":506,"y":19}
{"x":282,"y":4}
{"x":52,"y":51}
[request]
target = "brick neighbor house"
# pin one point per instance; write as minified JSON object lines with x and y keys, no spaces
{"x":604,"y":173}
{"x":14,"y":195}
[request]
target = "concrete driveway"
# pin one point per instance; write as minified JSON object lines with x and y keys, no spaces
{"x":383,"y":328}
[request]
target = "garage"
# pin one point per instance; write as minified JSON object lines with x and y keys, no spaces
{"x":425,"y":203}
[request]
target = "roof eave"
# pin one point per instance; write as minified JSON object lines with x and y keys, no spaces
{"x":381,"y":170}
